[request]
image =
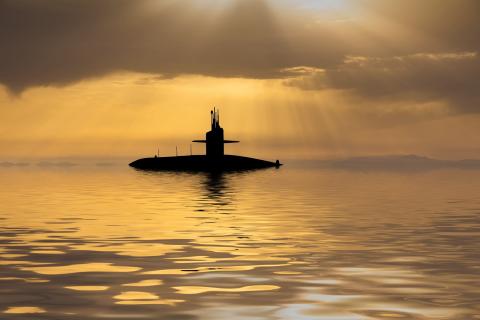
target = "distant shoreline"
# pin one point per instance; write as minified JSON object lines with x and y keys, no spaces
{"x":387,"y":162}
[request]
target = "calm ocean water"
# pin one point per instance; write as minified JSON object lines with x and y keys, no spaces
{"x":90,"y":242}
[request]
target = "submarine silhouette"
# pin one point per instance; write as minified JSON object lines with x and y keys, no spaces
{"x":215,"y":158}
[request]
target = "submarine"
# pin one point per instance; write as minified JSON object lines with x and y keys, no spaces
{"x":215,"y":159}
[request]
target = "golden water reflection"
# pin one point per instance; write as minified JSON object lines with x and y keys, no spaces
{"x":22,"y":310}
{"x":293,"y":243}
{"x":87,"y":288}
{"x":198,"y":290}
{"x":145,"y":283}
{"x":81,"y":268}
{"x":143,"y":298}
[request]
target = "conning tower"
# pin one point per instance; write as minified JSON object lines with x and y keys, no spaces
{"x":214,"y":138}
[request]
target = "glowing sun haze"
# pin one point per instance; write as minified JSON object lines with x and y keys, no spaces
{"x":292,"y":78}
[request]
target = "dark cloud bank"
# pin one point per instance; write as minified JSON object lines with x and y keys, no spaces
{"x":56,"y":42}
{"x":450,"y":77}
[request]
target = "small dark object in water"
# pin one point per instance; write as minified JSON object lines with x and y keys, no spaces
{"x":214,"y":160}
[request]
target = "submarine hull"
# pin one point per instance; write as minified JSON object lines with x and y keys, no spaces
{"x":202,"y":163}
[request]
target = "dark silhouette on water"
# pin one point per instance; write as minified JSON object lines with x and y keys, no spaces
{"x":214,"y":160}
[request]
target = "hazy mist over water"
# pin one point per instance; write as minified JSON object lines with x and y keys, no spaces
{"x":96,"y":242}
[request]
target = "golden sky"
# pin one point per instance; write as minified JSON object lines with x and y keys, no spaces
{"x":292,"y":78}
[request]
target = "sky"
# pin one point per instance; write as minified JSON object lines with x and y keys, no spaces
{"x":292,"y":78}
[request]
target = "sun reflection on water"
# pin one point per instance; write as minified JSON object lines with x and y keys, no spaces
{"x":274,"y":244}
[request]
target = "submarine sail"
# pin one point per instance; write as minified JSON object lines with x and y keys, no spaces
{"x":214,"y":159}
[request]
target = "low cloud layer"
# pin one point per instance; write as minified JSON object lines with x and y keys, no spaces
{"x":422,"y":77}
{"x":56,"y":42}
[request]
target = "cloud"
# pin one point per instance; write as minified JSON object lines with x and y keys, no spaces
{"x":48,"y":42}
{"x":446,"y":25}
{"x":57,"y":42}
{"x":421,"y":77}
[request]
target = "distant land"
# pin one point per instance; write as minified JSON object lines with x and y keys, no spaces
{"x":409,"y":162}
{"x":13,"y":164}
{"x":39,"y":164}
{"x":365,"y":163}
{"x":62,"y":163}
{"x":398,"y":162}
